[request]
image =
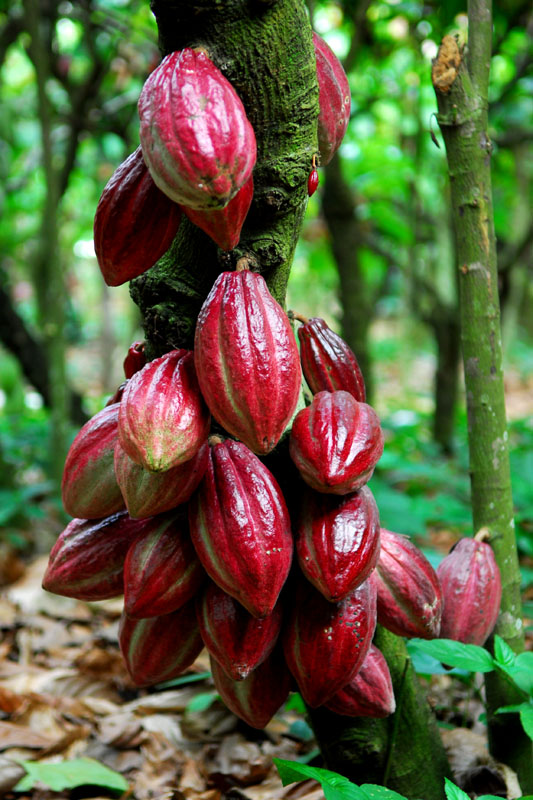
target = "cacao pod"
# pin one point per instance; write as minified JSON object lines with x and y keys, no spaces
{"x":328,"y":363}
{"x":326,"y":643}
{"x":162,"y":571}
{"x":159,"y":648}
{"x":135,"y":359}
{"x":224,"y":225}
{"x":256,"y":698}
{"x":471,"y":592}
{"x":369,"y":693}
{"x":196,"y":139}
{"x":240,"y":527}
{"x":163,"y":420}
{"x":149,"y":493}
{"x":409,"y":592}
{"x":333,"y":100}
{"x":135,"y":223}
{"x":235,"y":639}
{"x":89,"y":487}
{"x":247,"y":360}
{"x":336,"y":443}
{"x":87,"y":560}
{"x":338,"y":541}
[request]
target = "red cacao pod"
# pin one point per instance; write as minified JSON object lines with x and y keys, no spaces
{"x":336,"y":443}
{"x":247,"y":360}
{"x":149,"y":493}
{"x":328,"y":363}
{"x":159,"y":648}
{"x":409,"y":592}
{"x":312,"y":182}
{"x":162,"y":571}
{"x":235,"y":639}
{"x":240,"y":527}
{"x":471,"y":592}
{"x":224,"y":225}
{"x":89,"y":488}
{"x":197,"y":141}
{"x":256,"y":698}
{"x":369,"y":693}
{"x":135,"y":222}
{"x":135,"y":359}
{"x":163,"y":420}
{"x":326,"y":643}
{"x":87,"y":560}
{"x":333,"y":100}
{"x":338,"y":541}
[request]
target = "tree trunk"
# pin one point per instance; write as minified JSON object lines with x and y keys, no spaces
{"x":461,"y":85}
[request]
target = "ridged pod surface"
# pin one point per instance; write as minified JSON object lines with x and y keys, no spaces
{"x":326,"y":643}
{"x":337,"y":541}
{"x":336,"y":443}
{"x":235,"y":639}
{"x":471,"y":592}
{"x":135,"y":359}
{"x":369,"y":693}
{"x":159,"y":648}
{"x":89,"y":488}
{"x":162,"y":571}
{"x":196,"y":139}
{"x":328,"y":363}
{"x":224,"y":225}
{"x":240,"y":527}
{"x":148,"y":493}
{"x":333,"y":100}
{"x":163,"y":420}
{"x":247,"y":360}
{"x":256,"y":698}
{"x":409,"y":592}
{"x":88,"y":557}
{"x":135,"y":222}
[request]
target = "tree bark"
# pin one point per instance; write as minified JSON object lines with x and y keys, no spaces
{"x":461,"y":84}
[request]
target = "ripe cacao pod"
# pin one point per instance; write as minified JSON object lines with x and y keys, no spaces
{"x":240,"y":527}
{"x":247,"y":360}
{"x":369,"y":693}
{"x":149,"y":493}
{"x":87,"y":560}
{"x":162,"y":571}
{"x":336,"y":443}
{"x":159,"y":648}
{"x":163,"y":420}
{"x":235,"y":639}
{"x":326,"y":643}
{"x":256,"y":698}
{"x":135,"y":222}
{"x":196,"y":139}
{"x":471,"y":592}
{"x":328,"y":363}
{"x":224,"y":225}
{"x":409,"y":592}
{"x":333,"y":100}
{"x":89,"y":487}
{"x":338,"y":541}
{"x":135,"y":359}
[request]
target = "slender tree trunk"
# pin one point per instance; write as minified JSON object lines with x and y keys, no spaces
{"x":461,"y":85}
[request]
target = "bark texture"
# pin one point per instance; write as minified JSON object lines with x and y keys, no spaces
{"x":460,"y":80}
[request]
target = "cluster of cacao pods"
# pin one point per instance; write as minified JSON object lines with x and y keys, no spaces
{"x":195,"y":529}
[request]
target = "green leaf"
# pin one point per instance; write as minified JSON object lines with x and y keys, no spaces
{"x":374,"y":792}
{"x":184,"y":679}
{"x":426,"y":664}
{"x":502,"y":652}
{"x":295,"y":703}
{"x":526,"y":718}
{"x":202,"y":701}
{"x":335,"y":786}
{"x":467,"y":656}
{"x":70,"y":774}
{"x":511,"y":709}
{"x":453,"y":792}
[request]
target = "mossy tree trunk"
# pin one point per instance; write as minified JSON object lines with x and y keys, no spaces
{"x":265,"y":49}
{"x":461,"y":81}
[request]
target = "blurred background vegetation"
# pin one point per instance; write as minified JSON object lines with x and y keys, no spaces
{"x":376,"y":256}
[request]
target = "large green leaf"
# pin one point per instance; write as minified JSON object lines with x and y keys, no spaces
{"x":466,"y":656}
{"x":70,"y":774}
